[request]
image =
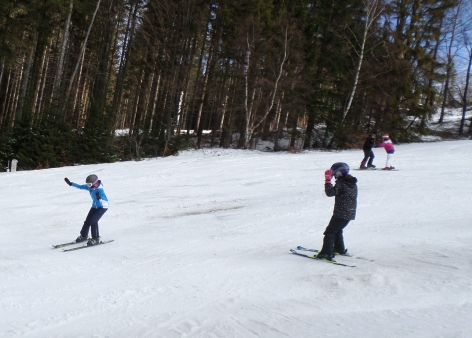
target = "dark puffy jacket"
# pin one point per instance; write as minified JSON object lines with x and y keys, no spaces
{"x":369,"y":143}
{"x":345,"y":190}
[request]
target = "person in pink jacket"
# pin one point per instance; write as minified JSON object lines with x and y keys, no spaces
{"x":390,"y":149}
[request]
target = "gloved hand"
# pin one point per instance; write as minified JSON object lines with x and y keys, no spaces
{"x":67,"y":181}
{"x":328,"y":176}
{"x":98,"y":195}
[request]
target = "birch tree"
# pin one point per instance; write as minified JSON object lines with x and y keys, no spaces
{"x":465,"y":95}
{"x":250,"y":124}
{"x":451,"y":52}
{"x":372,"y":12}
{"x":467,"y":43}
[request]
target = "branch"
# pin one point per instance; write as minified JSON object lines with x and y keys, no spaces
{"x":274,"y":92}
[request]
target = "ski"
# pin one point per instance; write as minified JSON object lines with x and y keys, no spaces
{"x":323,"y":259}
{"x":381,"y":169}
{"x":57,"y":246}
{"x":87,"y":246}
{"x":347,"y":255}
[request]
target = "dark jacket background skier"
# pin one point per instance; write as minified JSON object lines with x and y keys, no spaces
{"x":345,"y":206}
{"x":368,"y":160}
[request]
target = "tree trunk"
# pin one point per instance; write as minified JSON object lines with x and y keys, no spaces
{"x":26,"y":75}
{"x":79,"y":58}
{"x":60,"y":63}
{"x":2,"y":69}
{"x":41,"y":78}
{"x":371,"y":14}
{"x":466,"y":89}
{"x":124,"y":59}
{"x":195,"y":86}
{"x":40,"y":100}
{"x":249,"y":131}
{"x":449,"y":66}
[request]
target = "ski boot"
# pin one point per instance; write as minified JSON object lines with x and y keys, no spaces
{"x":93,"y":241}
{"x":80,"y":239}
{"x":325,"y":256}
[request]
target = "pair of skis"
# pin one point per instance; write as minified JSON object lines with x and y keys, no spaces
{"x":57,"y":246}
{"x":313,"y":256}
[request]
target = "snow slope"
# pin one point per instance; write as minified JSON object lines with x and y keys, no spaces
{"x":202,"y":248}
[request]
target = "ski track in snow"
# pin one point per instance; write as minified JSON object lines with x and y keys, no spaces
{"x":202,"y":248}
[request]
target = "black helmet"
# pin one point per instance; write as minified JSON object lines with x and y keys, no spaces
{"x":340,"y":169}
{"x":91,"y":180}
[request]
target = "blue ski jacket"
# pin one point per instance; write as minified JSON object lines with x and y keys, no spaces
{"x":99,"y":198}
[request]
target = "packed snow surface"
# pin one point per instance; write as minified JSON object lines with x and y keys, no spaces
{"x":202,"y":248}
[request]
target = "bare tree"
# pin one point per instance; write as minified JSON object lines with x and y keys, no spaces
{"x":79,"y":58}
{"x":250,"y":125}
{"x":372,"y":12}
{"x":450,"y":58}
{"x":65,"y":39}
{"x":466,"y":41}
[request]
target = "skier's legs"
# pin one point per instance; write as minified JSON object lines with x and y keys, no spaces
{"x":389,"y":160}
{"x":94,"y":221}
{"x":339,"y":241}
{"x":371,"y":159}
{"x":91,"y":221}
{"x":366,"y":156}
{"x":333,"y":235}
{"x":86,"y":227}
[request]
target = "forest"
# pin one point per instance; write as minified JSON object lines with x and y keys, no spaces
{"x":92,"y":81}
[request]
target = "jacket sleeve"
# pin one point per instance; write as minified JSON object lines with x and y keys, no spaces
{"x":80,"y":186}
{"x":331,"y":190}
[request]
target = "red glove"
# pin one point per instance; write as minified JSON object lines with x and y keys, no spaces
{"x":328,"y":175}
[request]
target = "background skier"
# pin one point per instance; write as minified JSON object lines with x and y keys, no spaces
{"x":99,"y":206}
{"x":368,"y":160}
{"x":390,"y":149}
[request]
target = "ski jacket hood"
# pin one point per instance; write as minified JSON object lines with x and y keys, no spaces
{"x":349,"y":179}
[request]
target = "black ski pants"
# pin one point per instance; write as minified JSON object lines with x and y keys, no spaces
{"x":91,"y":221}
{"x":333,"y":236}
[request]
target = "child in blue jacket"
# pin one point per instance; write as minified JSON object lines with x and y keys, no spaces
{"x":99,"y":206}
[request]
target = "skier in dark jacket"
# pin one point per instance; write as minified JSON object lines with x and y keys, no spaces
{"x":368,"y":160}
{"x":345,"y":205}
{"x":99,"y":206}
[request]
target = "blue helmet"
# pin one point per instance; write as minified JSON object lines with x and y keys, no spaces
{"x":340,"y":169}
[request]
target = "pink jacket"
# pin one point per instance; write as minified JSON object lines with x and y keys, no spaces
{"x":388,"y":145}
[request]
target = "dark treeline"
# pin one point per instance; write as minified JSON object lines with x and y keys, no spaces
{"x":86,"y":81}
